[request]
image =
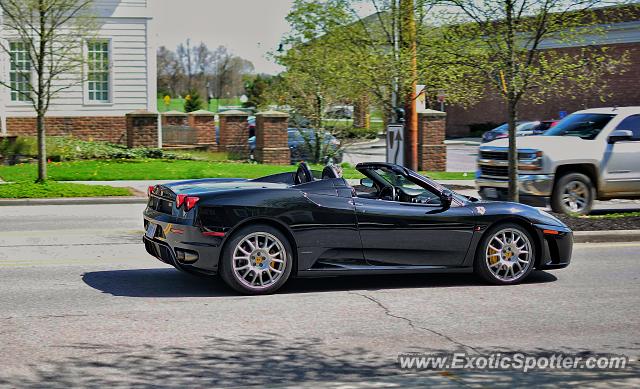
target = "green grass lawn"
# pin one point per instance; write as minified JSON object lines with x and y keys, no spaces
{"x":177,"y":104}
{"x":154,"y":169}
{"x":24,"y":190}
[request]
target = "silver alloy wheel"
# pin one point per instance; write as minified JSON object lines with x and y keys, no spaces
{"x":575,"y":196}
{"x":259,"y":260}
{"x":508,"y":254}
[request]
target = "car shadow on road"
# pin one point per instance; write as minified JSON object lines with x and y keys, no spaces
{"x":272,"y":359}
{"x":163,"y":282}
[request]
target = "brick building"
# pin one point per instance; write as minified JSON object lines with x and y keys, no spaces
{"x":623,"y":89}
{"x":92,"y":110}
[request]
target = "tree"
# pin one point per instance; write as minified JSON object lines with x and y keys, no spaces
{"x":216,"y":73}
{"x":169,"y":71}
{"x":192,"y":101}
{"x":501,"y":45}
{"x":50,"y":33}
{"x":368,"y":56}
{"x":256,"y":90}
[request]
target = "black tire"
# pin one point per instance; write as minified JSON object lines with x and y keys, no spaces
{"x":233,"y":278}
{"x":481,"y":266}
{"x":566,"y":183}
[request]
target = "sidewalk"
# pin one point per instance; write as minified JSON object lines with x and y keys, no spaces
{"x":138,"y":185}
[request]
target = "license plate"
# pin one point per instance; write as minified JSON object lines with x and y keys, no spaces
{"x":151,"y":230}
{"x":491,"y":193}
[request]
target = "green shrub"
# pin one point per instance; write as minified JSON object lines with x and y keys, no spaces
{"x":65,"y":148}
{"x":193,"y":101}
{"x":354,"y":133}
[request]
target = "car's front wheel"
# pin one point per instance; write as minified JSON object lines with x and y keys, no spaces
{"x":257,"y":260}
{"x":506,"y":255}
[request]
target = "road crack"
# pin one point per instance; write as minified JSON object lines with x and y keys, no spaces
{"x":413,"y":325}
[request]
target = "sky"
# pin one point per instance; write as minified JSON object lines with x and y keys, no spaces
{"x":248,"y":28}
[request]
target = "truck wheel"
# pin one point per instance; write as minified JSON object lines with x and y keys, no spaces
{"x":573,"y":193}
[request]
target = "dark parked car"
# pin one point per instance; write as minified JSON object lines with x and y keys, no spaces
{"x":544,"y":126}
{"x":258,"y":233}
{"x":502,"y":131}
{"x":301,"y":141}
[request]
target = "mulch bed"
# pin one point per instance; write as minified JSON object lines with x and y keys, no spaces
{"x":600,"y":223}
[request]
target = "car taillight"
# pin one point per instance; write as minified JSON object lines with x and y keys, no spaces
{"x":150,"y":190}
{"x":180,"y":200}
{"x":190,"y":202}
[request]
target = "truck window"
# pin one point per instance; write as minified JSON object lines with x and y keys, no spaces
{"x":583,"y":125}
{"x":631,"y":123}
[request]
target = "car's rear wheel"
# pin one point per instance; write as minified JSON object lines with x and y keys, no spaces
{"x":573,"y":194}
{"x":506,"y":255}
{"x":257,"y":260}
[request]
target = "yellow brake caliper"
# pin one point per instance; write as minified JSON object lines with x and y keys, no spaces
{"x":493,"y":258}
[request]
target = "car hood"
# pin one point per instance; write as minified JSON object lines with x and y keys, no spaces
{"x":506,"y":208}
{"x":538,"y":142}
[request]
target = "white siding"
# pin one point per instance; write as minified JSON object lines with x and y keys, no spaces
{"x":126,"y":24}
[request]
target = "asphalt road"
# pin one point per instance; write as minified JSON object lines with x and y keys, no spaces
{"x":83,"y":305}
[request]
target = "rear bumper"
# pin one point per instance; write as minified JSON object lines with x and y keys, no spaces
{"x":172,"y":239}
{"x":557,"y":246}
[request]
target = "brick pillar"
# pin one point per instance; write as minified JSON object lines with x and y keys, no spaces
{"x":142,"y":129}
{"x":174,"y":118}
{"x":205,"y":124}
{"x":234,"y":133}
{"x":432,"y":152}
{"x":272,"y":138}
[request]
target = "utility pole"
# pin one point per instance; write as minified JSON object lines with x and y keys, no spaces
{"x":409,"y":48}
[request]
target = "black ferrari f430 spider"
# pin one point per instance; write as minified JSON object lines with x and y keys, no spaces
{"x":258,"y":233}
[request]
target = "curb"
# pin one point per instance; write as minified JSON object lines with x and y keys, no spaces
{"x":609,"y":236}
{"x":462,"y":142}
{"x":75,"y":201}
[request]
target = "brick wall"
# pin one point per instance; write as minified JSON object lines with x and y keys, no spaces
{"x":432,"y":152}
{"x":173,"y":118}
{"x":98,"y":128}
{"x":142,"y":129}
{"x":205,"y":124}
{"x":234,"y":134}
{"x":272,"y":143}
{"x":623,"y":90}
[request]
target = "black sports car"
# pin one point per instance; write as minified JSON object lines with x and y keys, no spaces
{"x":258,"y":233}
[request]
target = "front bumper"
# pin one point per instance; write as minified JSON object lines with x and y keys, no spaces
{"x":557,"y":246}
{"x":535,"y":189}
{"x":172,"y":238}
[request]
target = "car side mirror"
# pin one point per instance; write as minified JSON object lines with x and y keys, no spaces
{"x":366,"y":182}
{"x":446,"y":198}
{"x":619,"y":135}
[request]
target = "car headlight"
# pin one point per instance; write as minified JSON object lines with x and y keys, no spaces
{"x":530,"y":160}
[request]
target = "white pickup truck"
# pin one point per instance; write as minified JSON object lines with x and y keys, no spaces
{"x":591,"y":154}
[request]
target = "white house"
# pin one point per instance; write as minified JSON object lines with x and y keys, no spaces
{"x":95,"y":108}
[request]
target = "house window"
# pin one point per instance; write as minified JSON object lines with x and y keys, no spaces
{"x":98,"y":76}
{"x":20,"y":72}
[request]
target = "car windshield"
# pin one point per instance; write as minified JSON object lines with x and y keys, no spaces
{"x":408,"y":186}
{"x":526,"y":126}
{"x":583,"y":125}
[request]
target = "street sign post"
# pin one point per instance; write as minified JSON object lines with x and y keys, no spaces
{"x":421,"y":98}
{"x":395,"y":144}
